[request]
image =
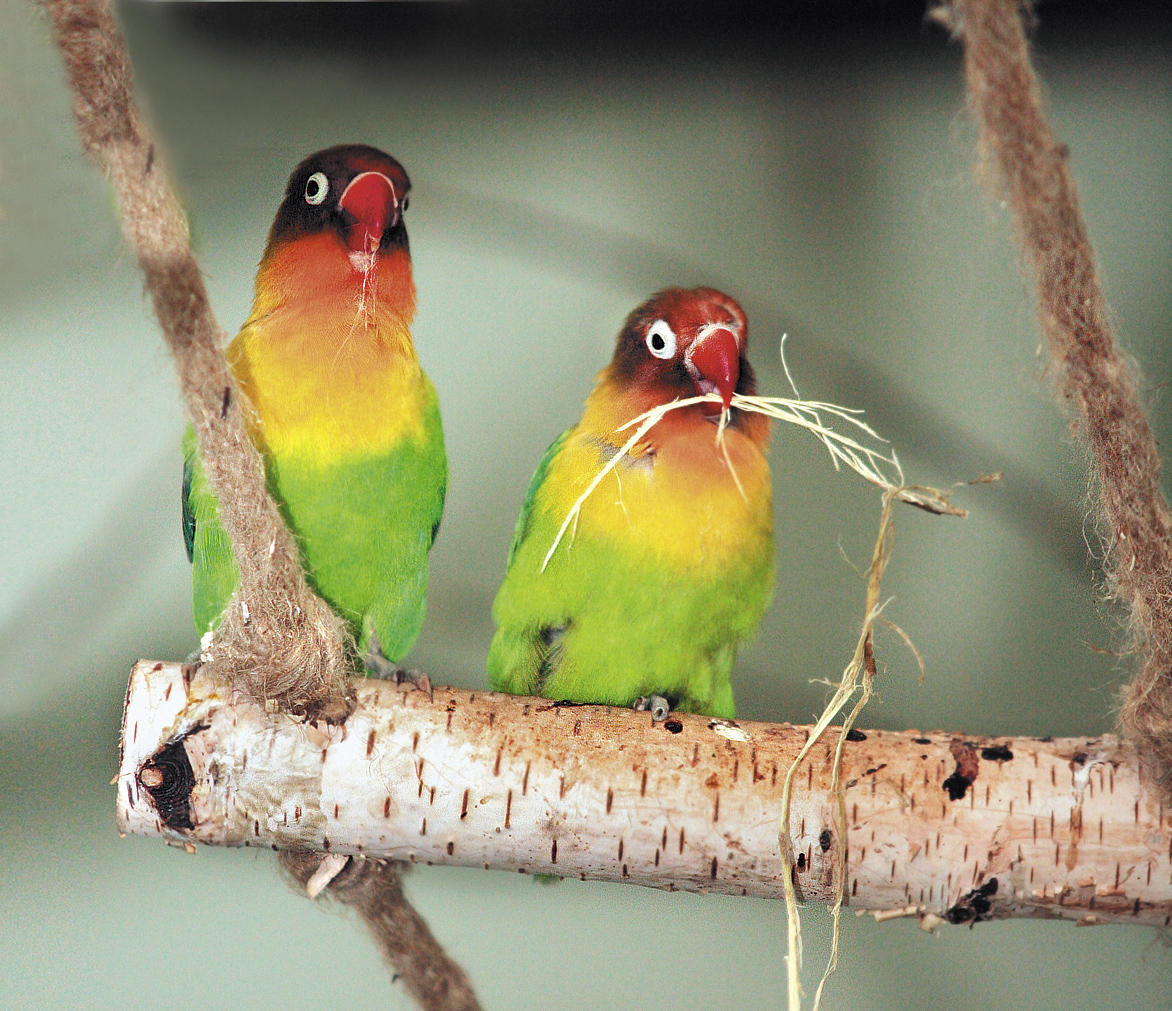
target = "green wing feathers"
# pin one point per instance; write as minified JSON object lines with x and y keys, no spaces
{"x":523,"y":654}
{"x":364,"y":524}
{"x":214,"y":575}
{"x":535,"y":483}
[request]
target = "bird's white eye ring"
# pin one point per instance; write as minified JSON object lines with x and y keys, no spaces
{"x":661,"y":339}
{"x":316,"y":188}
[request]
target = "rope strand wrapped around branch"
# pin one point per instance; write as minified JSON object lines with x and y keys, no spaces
{"x":1092,"y":376}
{"x":374,"y":888}
{"x":277,"y":639}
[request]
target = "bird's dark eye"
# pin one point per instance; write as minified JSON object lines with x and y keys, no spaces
{"x":403,"y":205}
{"x":661,"y":339}
{"x":316,"y":188}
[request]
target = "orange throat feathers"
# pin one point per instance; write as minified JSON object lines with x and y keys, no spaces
{"x":612,"y":404}
{"x":327,"y":350}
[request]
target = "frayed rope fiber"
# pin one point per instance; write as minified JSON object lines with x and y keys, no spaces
{"x":372,"y":886}
{"x":278,"y":640}
{"x":1094,"y":378}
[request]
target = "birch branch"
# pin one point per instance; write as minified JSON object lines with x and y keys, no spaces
{"x":940,"y":826}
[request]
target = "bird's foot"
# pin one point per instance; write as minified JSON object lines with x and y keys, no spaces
{"x":378,"y":666}
{"x":656,"y":705}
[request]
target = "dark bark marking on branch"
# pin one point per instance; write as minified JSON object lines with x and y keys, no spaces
{"x":974,"y":907}
{"x":967,"y":767}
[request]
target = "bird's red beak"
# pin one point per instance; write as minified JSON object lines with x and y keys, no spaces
{"x":715,"y":366}
{"x":370,"y":200}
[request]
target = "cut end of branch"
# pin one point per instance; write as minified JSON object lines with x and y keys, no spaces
{"x":1093,"y":378}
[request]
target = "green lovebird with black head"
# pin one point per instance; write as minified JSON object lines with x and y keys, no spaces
{"x":344,"y":417}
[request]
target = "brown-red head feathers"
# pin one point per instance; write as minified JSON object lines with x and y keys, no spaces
{"x":685,"y":343}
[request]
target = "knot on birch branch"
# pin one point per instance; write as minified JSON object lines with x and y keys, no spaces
{"x":277,"y":640}
{"x":1091,"y":374}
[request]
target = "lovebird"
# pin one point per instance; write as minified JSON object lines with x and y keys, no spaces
{"x":670,"y":564}
{"x":347,"y":422}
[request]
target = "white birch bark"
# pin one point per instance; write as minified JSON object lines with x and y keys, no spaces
{"x":943,"y":826}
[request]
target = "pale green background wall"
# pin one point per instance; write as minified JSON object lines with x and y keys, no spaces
{"x":827,"y":184}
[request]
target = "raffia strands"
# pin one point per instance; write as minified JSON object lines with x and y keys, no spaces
{"x":278,"y":640}
{"x":868,"y":462}
{"x":1091,"y":374}
{"x":373,"y":887}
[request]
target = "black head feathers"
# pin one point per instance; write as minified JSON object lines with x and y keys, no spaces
{"x":354,"y":190}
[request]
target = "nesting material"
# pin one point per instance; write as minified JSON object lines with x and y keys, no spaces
{"x":857,"y":680}
{"x":873,"y":462}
